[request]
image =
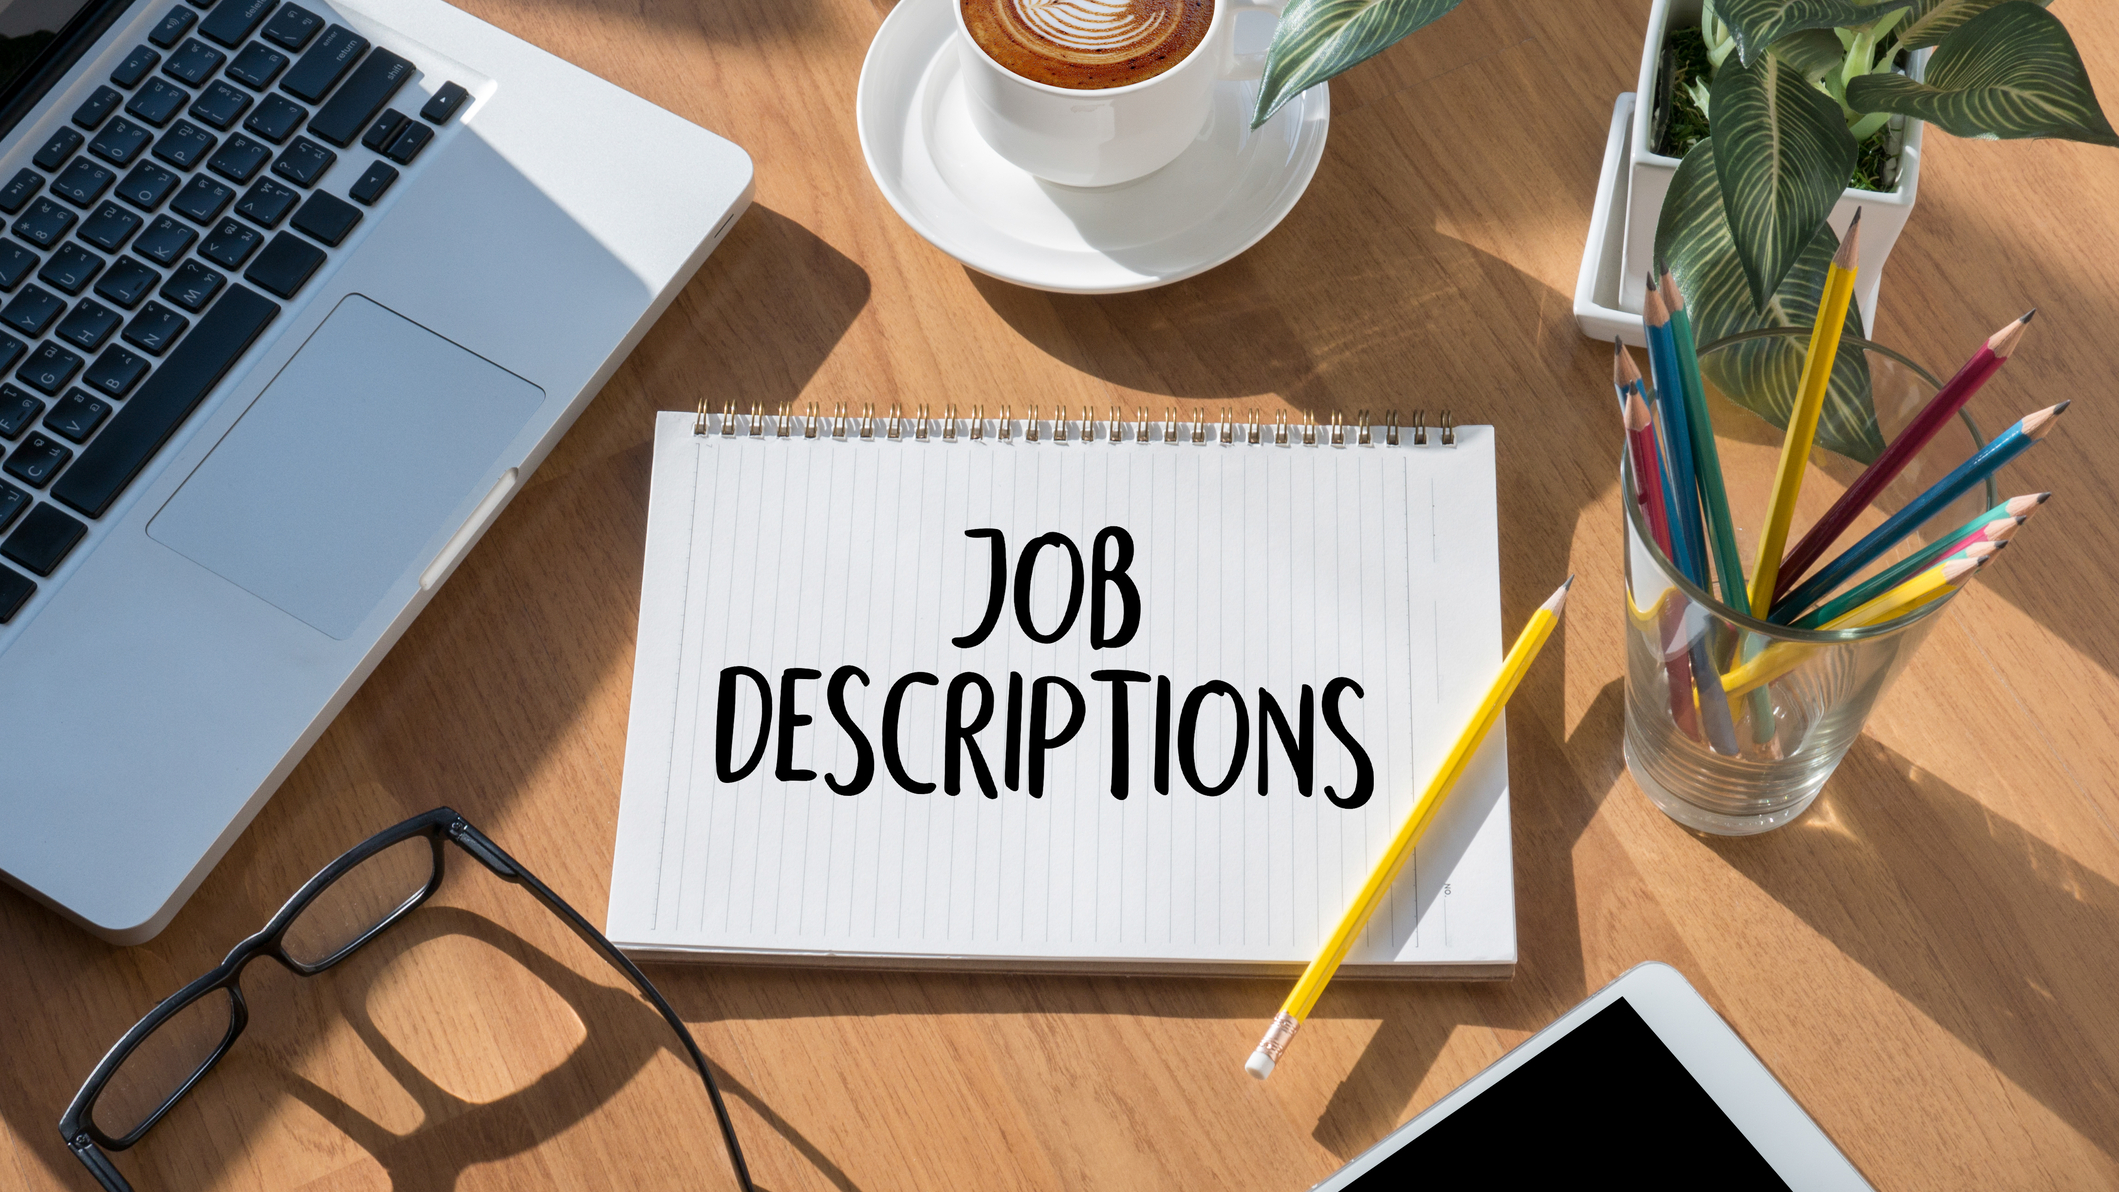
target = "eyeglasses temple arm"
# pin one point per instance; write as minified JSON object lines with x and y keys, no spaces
{"x":505,"y":867}
{"x":98,"y":1164}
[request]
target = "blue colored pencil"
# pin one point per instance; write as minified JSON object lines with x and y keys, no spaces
{"x":1687,"y":531}
{"x":1985,"y":462}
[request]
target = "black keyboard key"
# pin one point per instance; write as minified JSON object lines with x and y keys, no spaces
{"x":276,"y":117}
{"x":109,"y":227}
{"x":156,"y":101}
{"x":373,"y":83}
{"x":18,"y":190}
{"x":373,"y":183}
{"x":44,"y":539}
{"x":194,"y":63}
{"x":326,"y":217}
{"x":58,"y":149}
{"x":126,"y":282}
{"x":97,"y":107}
{"x":88,"y":324}
{"x":155,"y":328}
{"x":12,"y":502}
{"x":38,"y":460}
{"x":185,"y":145}
{"x":11,"y":350}
{"x":197,"y":364}
{"x":386,"y":126}
{"x":77,"y":415}
{"x":173,"y":27}
{"x":239,"y":159}
{"x":266,"y":203}
{"x":137,"y":65}
{"x":232,"y":20}
{"x":291,"y":27}
{"x":230,"y":244}
{"x":285,"y":265}
{"x":257,"y":66}
{"x":303,"y":162}
{"x":164,"y":241}
{"x":83,"y":182}
{"x":146,"y":185}
{"x":407,"y":144}
{"x":192,"y":286}
{"x":115,"y":372}
{"x":71,"y":268}
{"x":17,"y":408}
{"x":317,"y":71}
{"x":32,"y":310}
{"x":202,"y":200}
{"x":49,"y":368}
{"x":45,"y":223}
{"x":220,"y":104}
{"x":121,"y":142}
{"x":445,"y":103}
{"x":15,"y":591}
{"x":15,"y":264}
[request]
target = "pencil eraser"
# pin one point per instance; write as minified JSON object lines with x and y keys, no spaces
{"x":1260,"y":1065}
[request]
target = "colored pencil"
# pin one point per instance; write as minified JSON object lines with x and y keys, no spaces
{"x":1781,"y":657}
{"x":1653,"y":487}
{"x":1993,"y":526}
{"x":1803,"y":418}
{"x":1686,"y":530}
{"x":1925,"y":426}
{"x":2000,"y":450}
{"x":1303,"y":998}
{"x":1706,"y":458}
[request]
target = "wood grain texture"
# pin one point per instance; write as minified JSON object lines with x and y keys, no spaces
{"x":1928,"y":959}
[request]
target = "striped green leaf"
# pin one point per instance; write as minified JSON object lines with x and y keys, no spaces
{"x":1318,"y":39}
{"x":1785,"y":156}
{"x":2012,"y":71}
{"x":1757,"y":24}
{"x":1932,"y":20}
{"x":1761,"y":376}
{"x":1815,"y":52}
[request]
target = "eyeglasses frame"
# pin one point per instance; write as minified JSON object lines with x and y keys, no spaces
{"x":89,"y":1142}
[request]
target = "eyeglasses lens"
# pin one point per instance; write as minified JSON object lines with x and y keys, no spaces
{"x":162,"y":1062}
{"x":360,"y":899}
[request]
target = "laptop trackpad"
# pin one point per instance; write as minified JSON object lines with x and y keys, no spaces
{"x":350,"y":469}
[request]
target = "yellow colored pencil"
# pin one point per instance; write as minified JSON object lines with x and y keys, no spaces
{"x":1314,"y":978}
{"x":1802,"y":420}
{"x":1926,"y":588}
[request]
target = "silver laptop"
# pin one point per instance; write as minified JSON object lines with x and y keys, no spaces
{"x":293,"y":297}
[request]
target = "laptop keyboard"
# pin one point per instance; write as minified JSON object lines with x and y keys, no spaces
{"x":151,"y":241}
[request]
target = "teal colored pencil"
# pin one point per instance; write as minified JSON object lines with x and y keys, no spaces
{"x":1995,"y":525}
{"x":1706,"y":457}
{"x":2007,"y":445}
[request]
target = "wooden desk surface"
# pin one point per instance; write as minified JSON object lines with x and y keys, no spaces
{"x":1929,"y":960}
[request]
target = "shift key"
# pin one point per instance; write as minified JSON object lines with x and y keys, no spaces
{"x":325,"y":63}
{"x":372,"y":85}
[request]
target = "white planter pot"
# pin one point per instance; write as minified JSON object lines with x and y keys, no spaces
{"x":1647,"y":177}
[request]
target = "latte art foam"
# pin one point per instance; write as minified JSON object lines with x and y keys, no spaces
{"x":1088,"y":44}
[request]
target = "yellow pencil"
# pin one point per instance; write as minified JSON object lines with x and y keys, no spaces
{"x":1314,"y":978}
{"x":1802,"y":420}
{"x":1927,"y":587}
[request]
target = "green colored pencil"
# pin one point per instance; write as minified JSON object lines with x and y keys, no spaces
{"x":1995,"y":525}
{"x":1707,"y":461}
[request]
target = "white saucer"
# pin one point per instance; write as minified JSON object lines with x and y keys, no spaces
{"x":1217,"y":199}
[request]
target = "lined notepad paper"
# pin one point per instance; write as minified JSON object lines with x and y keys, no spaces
{"x":1247,"y":621}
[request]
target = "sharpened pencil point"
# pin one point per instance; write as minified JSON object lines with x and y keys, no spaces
{"x":1651,"y":279}
{"x":1558,"y":603}
{"x":2029,"y":315}
{"x":1624,"y":372}
{"x":1850,"y":245}
{"x":2003,"y":342}
{"x":2037,"y":423}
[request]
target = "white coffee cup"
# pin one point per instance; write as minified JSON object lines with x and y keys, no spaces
{"x":1103,"y":136}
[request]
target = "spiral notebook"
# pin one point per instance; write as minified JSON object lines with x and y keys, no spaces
{"x":1020,"y":694}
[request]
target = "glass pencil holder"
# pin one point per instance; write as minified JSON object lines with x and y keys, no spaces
{"x":1733,"y":724}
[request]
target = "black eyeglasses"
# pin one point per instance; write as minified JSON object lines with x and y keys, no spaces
{"x":353,"y":900}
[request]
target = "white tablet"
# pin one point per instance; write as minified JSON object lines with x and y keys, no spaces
{"x":1643,"y":1084}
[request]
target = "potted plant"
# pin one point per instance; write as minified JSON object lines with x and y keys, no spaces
{"x":1784,"y":102}
{"x":1318,"y":39}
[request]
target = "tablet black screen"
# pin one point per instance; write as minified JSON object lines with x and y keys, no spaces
{"x":1608,"y":1100}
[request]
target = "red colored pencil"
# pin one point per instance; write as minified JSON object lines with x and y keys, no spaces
{"x":1940,"y":409}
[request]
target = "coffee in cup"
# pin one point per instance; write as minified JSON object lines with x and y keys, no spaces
{"x":1088,"y":45}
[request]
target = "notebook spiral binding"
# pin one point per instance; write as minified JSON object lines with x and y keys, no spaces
{"x":923,"y":427}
